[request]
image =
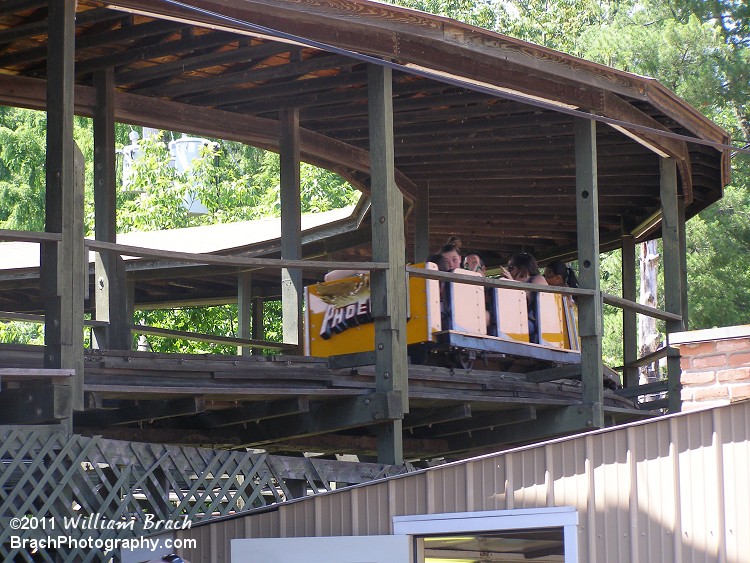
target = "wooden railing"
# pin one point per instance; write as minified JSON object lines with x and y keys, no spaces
{"x":312,"y":265}
{"x":613,"y":300}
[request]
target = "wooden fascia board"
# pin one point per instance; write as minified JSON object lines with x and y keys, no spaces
{"x":316,"y":149}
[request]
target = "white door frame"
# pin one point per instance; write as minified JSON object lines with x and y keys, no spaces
{"x":565,"y":517}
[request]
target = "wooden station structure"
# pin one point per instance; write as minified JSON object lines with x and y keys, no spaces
{"x":446,"y":128}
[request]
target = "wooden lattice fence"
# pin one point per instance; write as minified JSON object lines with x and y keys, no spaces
{"x":92,"y":491}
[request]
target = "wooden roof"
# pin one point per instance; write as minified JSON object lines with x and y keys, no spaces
{"x":483,"y":122}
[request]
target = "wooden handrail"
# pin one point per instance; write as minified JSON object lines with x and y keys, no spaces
{"x":184,"y":335}
{"x":495,"y":282}
{"x":647,"y":359}
{"x":639,"y":308}
{"x":213,"y":259}
{"x":39,"y":319}
{"x":29,"y":236}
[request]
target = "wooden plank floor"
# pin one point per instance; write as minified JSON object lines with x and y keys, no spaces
{"x":270,"y":401}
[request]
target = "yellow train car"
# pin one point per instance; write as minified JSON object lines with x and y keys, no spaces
{"x":442,"y":318}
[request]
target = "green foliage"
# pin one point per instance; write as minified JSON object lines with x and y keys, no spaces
{"x":234,"y":182}
{"x":718,"y":245}
{"x":22,"y":176}
{"x":28,"y":333}
{"x":217,"y":321}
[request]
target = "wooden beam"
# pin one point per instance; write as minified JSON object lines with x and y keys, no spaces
{"x":13,"y":6}
{"x":162,"y":49}
{"x":673,"y":275}
{"x":252,"y":413}
{"x":185,"y":88}
{"x":139,"y":412}
{"x":590,"y":318}
{"x":616,"y":107}
{"x":549,"y":423}
{"x":388,"y":287}
{"x":430,"y":417}
{"x":62,"y":266}
{"x":244,"y":310}
{"x":629,"y":319}
{"x":316,"y":149}
{"x":344,"y":413}
{"x":475,"y":423}
{"x":109,"y":270}
{"x":422,"y":224}
{"x":291,"y":226}
{"x":188,"y":63}
{"x":35,"y":405}
{"x":424,"y":448}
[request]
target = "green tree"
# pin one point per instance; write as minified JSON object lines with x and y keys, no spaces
{"x":234,"y":182}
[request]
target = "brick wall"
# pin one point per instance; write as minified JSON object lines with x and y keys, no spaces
{"x":715,"y":366}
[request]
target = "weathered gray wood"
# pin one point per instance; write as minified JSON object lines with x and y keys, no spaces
{"x":626,"y":304}
{"x":258,"y":334}
{"x":548,"y":422}
{"x":253,"y":413}
{"x":291,"y":226}
{"x":181,"y":334}
{"x":647,"y":389}
{"x":683,"y":261}
{"x":673,"y":272}
{"x":431,"y":417}
{"x":389,"y":286}
{"x":27,"y":236}
{"x":488,"y":421}
{"x":110,"y":295}
{"x":244,"y":310}
{"x":62,"y":266}
{"x":629,"y":320}
{"x":313,"y":265}
{"x":589,"y":308}
{"x":422,"y":224}
{"x":34,"y":405}
{"x":145,"y":410}
{"x":350,"y":412}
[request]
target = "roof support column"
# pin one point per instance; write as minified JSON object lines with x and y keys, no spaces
{"x":589,"y":308}
{"x":629,"y":320}
{"x":388,"y":287}
{"x":244,"y":310}
{"x":422,"y":224}
{"x":291,"y":226}
{"x":110,"y":294}
{"x":62,"y":264}
{"x":674,"y":285}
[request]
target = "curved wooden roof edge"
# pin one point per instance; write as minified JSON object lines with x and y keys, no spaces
{"x":401,"y":34}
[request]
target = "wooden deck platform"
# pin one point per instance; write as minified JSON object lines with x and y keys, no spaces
{"x":291,"y":404}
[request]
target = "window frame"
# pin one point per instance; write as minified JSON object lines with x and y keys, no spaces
{"x":565,"y":517}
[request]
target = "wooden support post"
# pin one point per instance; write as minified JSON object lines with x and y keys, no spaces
{"x":683,"y":261}
{"x":244,"y":310}
{"x":110,"y":295}
{"x":62,"y":265}
{"x":590,"y":308}
{"x":258,"y":332}
{"x":389,"y":286}
{"x":422,"y":224}
{"x":291,"y":226}
{"x":629,"y":319}
{"x":673,"y":276}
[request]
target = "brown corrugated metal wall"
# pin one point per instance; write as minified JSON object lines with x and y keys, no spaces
{"x":676,"y":489}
